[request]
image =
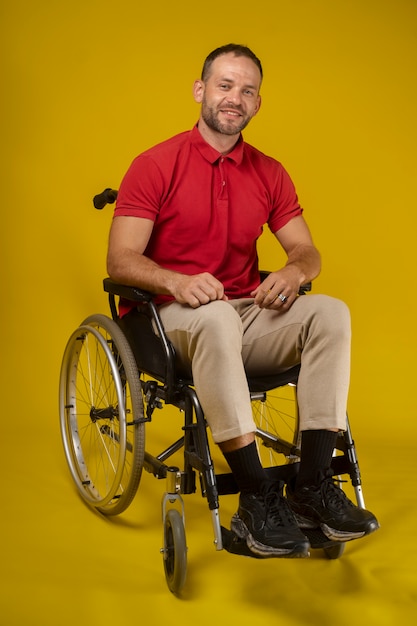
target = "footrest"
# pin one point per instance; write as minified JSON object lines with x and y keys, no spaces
{"x":235,"y":545}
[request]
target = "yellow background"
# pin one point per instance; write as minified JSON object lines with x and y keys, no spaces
{"x":87,"y":85}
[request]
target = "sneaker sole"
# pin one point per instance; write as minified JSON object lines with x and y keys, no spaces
{"x":241,"y":530}
{"x":332,"y":533}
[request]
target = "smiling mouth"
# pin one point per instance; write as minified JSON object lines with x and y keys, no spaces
{"x":230,"y":112}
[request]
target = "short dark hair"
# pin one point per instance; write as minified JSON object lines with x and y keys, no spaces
{"x":234,"y":48}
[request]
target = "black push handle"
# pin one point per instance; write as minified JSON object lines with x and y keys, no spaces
{"x":108,"y":196}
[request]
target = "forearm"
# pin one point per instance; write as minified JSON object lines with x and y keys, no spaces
{"x":132,"y":268}
{"x":127,"y":264}
{"x":304,"y":260}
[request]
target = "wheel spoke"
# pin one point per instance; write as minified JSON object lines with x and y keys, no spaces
{"x":277,"y":413}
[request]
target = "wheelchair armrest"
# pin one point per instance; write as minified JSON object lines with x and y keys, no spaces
{"x":140,"y":295}
{"x":125,"y":291}
{"x":304,"y":288}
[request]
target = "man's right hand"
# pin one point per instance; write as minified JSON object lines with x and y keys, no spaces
{"x":197,"y":289}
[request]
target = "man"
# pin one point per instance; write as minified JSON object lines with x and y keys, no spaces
{"x":188,"y":215}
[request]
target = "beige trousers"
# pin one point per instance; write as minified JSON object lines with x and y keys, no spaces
{"x":222,"y":339}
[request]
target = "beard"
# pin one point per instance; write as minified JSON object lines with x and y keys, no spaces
{"x":232,"y":127}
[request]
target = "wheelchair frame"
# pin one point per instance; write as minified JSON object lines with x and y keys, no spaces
{"x":135,"y":373}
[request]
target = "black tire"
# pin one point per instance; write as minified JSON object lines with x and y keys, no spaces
{"x":335,"y":551}
{"x":174,"y":551}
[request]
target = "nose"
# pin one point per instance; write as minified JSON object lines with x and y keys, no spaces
{"x":234,"y":96}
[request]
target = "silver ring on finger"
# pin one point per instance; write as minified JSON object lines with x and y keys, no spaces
{"x":282,"y":297}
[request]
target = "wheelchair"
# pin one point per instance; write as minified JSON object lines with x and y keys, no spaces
{"x":117,"y":375}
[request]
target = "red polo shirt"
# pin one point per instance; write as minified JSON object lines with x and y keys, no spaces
{"x":208,"y":209}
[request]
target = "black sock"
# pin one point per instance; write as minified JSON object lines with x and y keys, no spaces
{"x":317,"y":448}
{"x":247,"y":468}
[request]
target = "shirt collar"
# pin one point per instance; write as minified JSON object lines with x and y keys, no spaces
{"x":212,"y":155}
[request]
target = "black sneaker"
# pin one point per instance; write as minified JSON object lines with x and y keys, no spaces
{"x":266,"y":522}
{"x":326,"y":506}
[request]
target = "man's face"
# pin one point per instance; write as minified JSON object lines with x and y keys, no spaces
{"x":230,"y":95}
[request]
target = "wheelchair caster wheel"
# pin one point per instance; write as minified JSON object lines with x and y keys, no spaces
{"x":174,"y":551}
{"x":335,"y":551}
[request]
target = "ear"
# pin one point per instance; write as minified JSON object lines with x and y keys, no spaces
{"x":198,"y":90}
{"x":258,"y":105}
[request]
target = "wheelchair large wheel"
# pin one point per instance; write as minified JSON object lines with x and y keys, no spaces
{"x":276,"y":416}
{"x":101,"y":413}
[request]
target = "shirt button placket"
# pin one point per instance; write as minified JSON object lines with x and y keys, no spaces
{"x":222,"y":176}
